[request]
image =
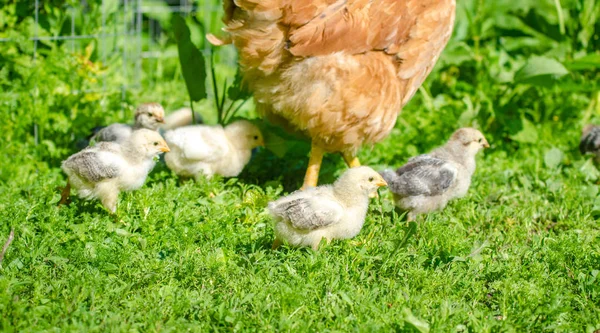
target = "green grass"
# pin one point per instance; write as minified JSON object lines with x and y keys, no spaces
{"x":520,"y":253}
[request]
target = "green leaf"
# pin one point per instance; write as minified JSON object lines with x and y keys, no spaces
{"x":528,"y":134}
{"x":421,"y":325}
{"x":238,"y":90}
{"x":192,"y":63}
{"x":553,"y":158}
{"x":589,"y":170}
{"x":122,"y":232}
{"x":541,"y":71}
{"x":588,"y":62}
{"x":590,"y":191}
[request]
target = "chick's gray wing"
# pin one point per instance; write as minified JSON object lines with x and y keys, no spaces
{"x":90,"y":166}
{"x":114,"y":133}
{"x":309,"y":213}
{"x":590,"y":141}
{"x":424,"y":175}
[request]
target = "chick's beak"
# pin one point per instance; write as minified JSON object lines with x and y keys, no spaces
{"x":381,"y":182}
{"x":160,"y":120}
{"x":164,"y":148}
{"x":486,"y":144}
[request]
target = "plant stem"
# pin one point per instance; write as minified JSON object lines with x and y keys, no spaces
{"x":561,"y":18}
{"x":193,"y":113}
{"x":216,"y":90}
{"x":224,"y":92}
{"x":237,"y":108}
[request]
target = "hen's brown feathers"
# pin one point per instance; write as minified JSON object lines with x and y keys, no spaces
{"x":337,"y":70}
{"x":355,"y":27}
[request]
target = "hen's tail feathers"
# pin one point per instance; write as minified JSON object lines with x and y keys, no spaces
{"x":590,"y":139}
{"x":216,"y":41}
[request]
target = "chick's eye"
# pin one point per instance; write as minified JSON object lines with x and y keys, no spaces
{"x":156,"y":143}
{"x":480,"y":139}
{"x":371,"y":179}
{"x":149,"y":114}
{"x":256,"y":137}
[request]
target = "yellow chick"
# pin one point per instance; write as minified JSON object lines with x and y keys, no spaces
{"x":208,"y":150}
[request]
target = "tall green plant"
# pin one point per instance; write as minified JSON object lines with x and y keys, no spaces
{"x":228,"y":99}
{"x":192,"y":63}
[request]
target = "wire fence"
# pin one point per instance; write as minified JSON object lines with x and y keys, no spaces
{"x":129,"y":33}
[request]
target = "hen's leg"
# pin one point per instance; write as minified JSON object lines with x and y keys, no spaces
{"x":311,"y":178}
{"x":351,"y":161}
{"x":64,"y":196}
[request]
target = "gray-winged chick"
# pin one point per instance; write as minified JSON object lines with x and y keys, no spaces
{"x":335,"y":211}
{"x":103,"y":170}
{"x":148,"y":115}
{"x":590,"y":141}
{"x":427,"y":182}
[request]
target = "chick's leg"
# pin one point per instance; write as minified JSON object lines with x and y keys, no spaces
{"x":315,"y":246}
{"x":317,"y":242}
{"x":311,"y":178}
{"x":276,"y":244}
{"x":64,"y":196}
{"x":108,"y":194}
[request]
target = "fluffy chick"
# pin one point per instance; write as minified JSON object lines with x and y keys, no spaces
{"x":148,"y":115}
{"x":209,"y":150}
{"x":103,"y":170}
{"x":335,"y":211}
{"x":427,"y":182}
{"x":590,"y":141}
{"x":179,"y":118}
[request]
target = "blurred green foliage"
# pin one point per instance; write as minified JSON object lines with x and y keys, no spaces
{"x":509,"y":67}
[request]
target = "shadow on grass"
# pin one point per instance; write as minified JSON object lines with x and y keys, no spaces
{"x":261,"y":244}
{"x":265,"y":167}
{"x":77,"y":207}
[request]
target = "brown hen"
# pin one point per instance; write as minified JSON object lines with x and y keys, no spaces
{"x":338,"y":71}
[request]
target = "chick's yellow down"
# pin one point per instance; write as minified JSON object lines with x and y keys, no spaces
{"x":336,"y":71}
{"x":202,"y":150}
